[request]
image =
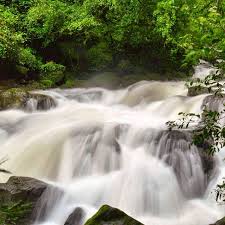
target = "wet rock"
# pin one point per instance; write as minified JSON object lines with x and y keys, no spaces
{"x":108,"y":215}
{"x":214,"y":103}
{"x":176,"y":150}
{"x":220,"y":222}
{"x":25,"y":190}
{"x":76,"y":217}
{"x":37,"y":101}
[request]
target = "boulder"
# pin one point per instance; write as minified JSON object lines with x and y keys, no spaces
{"x":214,"y":103}
{"x":220,"y":222}
{"x":40,"y":102}
{"x":76,"y":217}
{"x":18,"y":200}
{"x":108,"y":215}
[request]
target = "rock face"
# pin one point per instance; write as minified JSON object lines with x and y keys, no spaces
{"x":111,"y":216}
{"x":76,"y":217}
{"x":25,"y":190}
{"x":220,"y":222}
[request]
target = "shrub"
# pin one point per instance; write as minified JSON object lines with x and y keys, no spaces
{"x":52,"y":73}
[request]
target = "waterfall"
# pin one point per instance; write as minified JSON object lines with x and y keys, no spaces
{"x":112,"y":147}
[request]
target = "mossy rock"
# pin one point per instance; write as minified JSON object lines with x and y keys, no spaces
{"x":108,"y":215}
{"x":12,"y":98}
{"x":76,"y":217}
{"x":220,"y":222}
{"x":17,"y":98}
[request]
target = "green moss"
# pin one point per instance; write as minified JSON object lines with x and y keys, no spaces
{"x":108,"y":215}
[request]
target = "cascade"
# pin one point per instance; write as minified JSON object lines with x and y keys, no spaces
{"x":112,"y":147}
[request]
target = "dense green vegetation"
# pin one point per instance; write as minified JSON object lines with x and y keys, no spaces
{"x":49,"y":40}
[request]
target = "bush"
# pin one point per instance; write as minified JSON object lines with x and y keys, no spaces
{"x":52,"y":74}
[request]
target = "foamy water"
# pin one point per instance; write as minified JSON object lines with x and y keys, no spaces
{"x":112,"y":147}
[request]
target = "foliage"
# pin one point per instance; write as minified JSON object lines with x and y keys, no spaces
{"x":51,"y":74}
{"x":10,"y":38}
{"x":211,"y":84}
{"x":44,"y":21}
{"x":172,"y":32}
{"x":11,"y":213}
{"x":196,"y":28}
{"x":220,"y":192}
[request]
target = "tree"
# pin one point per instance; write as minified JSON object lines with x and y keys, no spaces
{"x":168,"y":34}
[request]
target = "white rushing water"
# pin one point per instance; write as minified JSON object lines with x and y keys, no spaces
{"x":112,"y":147}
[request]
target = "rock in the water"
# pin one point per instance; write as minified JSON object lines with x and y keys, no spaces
{"x":76,"y":217}
{"x":37,"y":101}
{"x":21,"y":188}
{"x":220,"y":222}
{"x":25,"y":190}
{"x":111,"y":216}
{"x":214,"y":103}
{"x":175,"y":147}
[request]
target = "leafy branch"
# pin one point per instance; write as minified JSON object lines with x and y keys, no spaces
{"x":220,"y":194}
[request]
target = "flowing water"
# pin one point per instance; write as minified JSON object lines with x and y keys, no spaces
{"x":112,"y":147}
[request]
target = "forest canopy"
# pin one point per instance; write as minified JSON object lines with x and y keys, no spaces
{"x":41,"y":38}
